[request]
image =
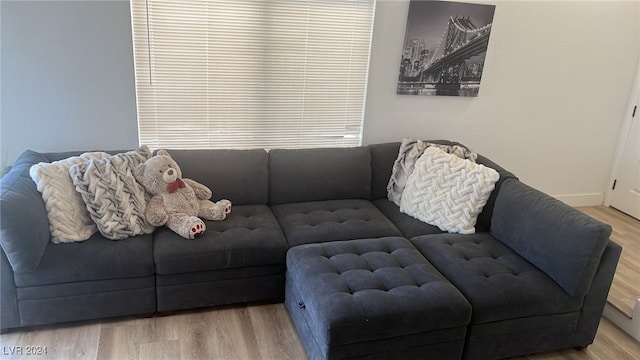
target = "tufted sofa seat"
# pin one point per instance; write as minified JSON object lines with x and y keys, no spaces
{"x":332,"y":220}
{"x":499,"y":283}
{"x":314,"y":228}
{"x":246,"y":252}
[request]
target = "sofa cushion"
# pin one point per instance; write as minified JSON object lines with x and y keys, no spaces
{"x":94,"y":300}
{"x":115,"y":200}
{"x":220,"y":287}
{"x":382,"y":158}
{"x":95,"y":259}
{"x":484,"y":219}
{"x":447,"y":191}
{"x":250,"y":236}
{"x":563,"y":242}
{"x":68,"y":217}
{"x":242,"y":176}
{"x":302,"y":175}
{"x":409,"y":226}
{"x":331,"y":220}
{"x":498,"y":282}
{"x":24,"y":228}
{"x":371,"y":289}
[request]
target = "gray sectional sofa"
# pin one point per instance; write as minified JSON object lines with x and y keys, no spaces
{"x":314,"y":228}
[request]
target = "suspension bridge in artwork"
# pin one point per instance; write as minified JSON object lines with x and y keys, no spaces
{"x":447,"y":66}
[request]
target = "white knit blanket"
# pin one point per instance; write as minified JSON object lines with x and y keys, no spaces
{"x":447,"y":191}
{"x":115,"y":200}
{"x":69,"y":219}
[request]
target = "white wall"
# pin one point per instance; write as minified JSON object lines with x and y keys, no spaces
{"x":556,"y":82}
{"x":67,"y":77}
{"x":557,"y":79}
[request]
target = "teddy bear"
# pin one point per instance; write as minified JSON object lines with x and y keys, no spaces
{"x":177,"y":203}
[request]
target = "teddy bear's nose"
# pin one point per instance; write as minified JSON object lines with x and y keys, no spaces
{"x":170,"y":172}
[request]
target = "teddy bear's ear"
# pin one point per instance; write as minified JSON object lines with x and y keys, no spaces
{"x":139,"y":172}
{"x":163,"y":152}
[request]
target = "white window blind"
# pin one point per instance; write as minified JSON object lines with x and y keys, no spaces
{"x":246,"y":74}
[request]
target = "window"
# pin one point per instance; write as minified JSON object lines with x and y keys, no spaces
{"x":247,"y":74}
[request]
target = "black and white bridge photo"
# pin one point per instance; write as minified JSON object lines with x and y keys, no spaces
{"x":444,"y":48}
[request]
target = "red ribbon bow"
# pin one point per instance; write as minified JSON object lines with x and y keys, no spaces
{"x":173,"y":187}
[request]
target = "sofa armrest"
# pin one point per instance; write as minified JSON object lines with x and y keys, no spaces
{"x":24,"y":227}
{"x":596,"y":298}
{"x":561,"y":241}
{"x":9,"y":316}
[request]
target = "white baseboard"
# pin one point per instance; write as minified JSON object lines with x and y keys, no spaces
{"x":577,"y":200}
{"x":629,"y":325}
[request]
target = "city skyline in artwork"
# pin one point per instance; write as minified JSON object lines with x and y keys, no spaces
{"x":444,"y":48}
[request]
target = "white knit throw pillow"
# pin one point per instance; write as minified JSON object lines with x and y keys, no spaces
{"x":69,"y":219}
{"x":410,"y":151}
{"x":447,"y":191}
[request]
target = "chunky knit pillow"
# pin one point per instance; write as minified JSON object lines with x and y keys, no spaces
{"x":447,"y":191}
{"x":69,"y":219}
{"x":115,"y":200}
{"x":410,"y":151}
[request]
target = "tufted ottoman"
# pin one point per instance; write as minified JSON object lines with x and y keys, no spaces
{"x":374,"y":298}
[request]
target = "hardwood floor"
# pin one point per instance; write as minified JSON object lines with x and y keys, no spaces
{"x":235,"y":332}
{"x":625,"y":289}
{"x":266,"y":332}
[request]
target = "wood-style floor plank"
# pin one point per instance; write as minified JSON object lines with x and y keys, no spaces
{"x":233,"y":332}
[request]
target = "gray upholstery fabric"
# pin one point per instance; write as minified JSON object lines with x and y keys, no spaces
{"x":220,"y":275}
{"x":438,"y":344}
{"x":24,"y":228}
{"x":189,"y":295}
{"x":24,"y":232}
{"x":484,"y":219}
{"x":87,"y":306}
{"x":382,"y":159}
{"x":302,"y":175}
{"x":523,"y":336}
{"x":250,"y":236}
{"x":240,"y":176}
{"x":322,"y":221}
{"x":596,"y":297}
{"x":84,"y":287}
{"x":9,"y":299}
{"x":568,"y":243}
{"x":372,"y":289}
{"x":409,"y":226}
{"x":498,"y":283}
{"x":322,"y":195}
{"x":95,"y":259}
